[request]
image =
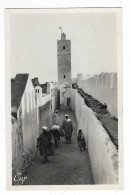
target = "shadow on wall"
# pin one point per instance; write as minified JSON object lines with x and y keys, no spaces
{"x":45,"y":116}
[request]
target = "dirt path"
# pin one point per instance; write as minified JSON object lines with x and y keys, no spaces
{"x":68,"y":165}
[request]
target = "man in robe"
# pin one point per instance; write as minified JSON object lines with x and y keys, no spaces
{"x":67,"y":126}
{"x":55,"y":118}
{"x":44,"y":142}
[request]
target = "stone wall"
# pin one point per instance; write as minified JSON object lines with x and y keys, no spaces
{"x":102,"y":87}
{"x":17,"y":146}
{"x":102,"y":152}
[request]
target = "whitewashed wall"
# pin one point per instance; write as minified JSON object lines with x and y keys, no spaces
{"x":102,"y":87}
{"x":54,"y":93}
{"x":25,"y":129}
{"x":102,"y":152}
{"x":72,"y":96}
{"x":64,"y":94}
{"x":30,"y":115}
{"x":53,"y":104}
{"x":17,"y":147}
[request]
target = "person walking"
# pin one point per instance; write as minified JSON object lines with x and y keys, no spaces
{"x":55,"y":130}
{"x":81,"y":140}
{"x":67,"y":126}
{"x":44,"y":142}
{"x":55,"y":118}
{"x":70,"y":126}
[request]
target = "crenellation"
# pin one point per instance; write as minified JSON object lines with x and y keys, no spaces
{"x":108,"y":80}
{"x":104,"y":79}
{"x":115,"y":80}
{"x":102,"y":87}
{"x":111,"y":80}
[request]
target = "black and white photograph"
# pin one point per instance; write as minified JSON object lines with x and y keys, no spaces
{"x":64,"y":72}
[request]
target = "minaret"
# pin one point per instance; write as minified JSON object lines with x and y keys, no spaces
{"x":64,"y":59}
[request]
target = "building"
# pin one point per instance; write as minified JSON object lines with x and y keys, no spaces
{"x":64,"y":70}
{"x":25,"y":123}
{"x":32,"y":105}
{"x":64,"y":59}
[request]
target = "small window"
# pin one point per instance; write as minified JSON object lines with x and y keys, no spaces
{"x":64,"y":76}
{"x":63,"y":47}
{"x":38,"y":90}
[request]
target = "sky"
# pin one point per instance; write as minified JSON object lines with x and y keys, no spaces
{"x":33,"y":40}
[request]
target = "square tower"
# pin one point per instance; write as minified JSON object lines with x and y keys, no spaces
{"x":64,"y":60}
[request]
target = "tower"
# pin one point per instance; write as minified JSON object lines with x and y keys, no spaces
{"x":64,"y":60}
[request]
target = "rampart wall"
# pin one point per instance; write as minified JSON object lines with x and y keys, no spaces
{"x":102,"y":87}
{"x":102,"y":152}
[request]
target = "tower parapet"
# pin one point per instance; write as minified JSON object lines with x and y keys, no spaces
{"x":63,"y":36}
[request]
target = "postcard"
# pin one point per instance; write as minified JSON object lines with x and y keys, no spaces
{"x":64,"y":99}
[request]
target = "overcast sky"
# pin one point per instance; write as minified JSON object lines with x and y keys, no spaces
{"x":34,"y":43}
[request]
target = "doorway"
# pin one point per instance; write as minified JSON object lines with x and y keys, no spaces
{"x":68,"y":102}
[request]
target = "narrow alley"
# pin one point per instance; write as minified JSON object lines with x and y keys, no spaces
{"x":67,"y":167}
{"x":47,"y":73}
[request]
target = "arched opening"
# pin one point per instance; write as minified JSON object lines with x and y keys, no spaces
{"x":63,"y":47}
{"x":64,"y":76}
